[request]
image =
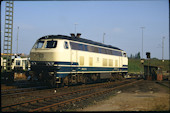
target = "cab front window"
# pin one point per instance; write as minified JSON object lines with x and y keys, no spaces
{"x":51,"y":44}
{"x":39,"y":44}
{"x":18,"y":62}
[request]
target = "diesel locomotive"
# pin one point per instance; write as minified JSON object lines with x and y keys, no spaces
{"x":65,"y":60}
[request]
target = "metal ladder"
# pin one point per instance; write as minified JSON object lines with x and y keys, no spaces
{"x":8,"y":31}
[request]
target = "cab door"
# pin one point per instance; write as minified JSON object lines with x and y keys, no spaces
{"x":120,"y":61}
{"x":73,"y":57}
{"x":74,"y":60}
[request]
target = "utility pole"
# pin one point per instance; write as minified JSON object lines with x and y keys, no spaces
{"x":103,"y":37}
{"x":163,"y":49}
{"x":75,"y":27}
{"x":17,"y":39}
{"x":142,"y":40}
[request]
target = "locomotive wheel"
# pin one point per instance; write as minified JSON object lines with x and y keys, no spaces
{"x":84,"y":80}
{"x":65,"y":81}
{"x":73,"y":79}
{"x":52,"y":82}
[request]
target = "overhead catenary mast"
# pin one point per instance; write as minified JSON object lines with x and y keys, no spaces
{"x":75,"y":27}
{"x":8,"y":31}
{"x":163,"y":49}
{"x":142,"y":40}
{"x":103,"y":37}
{"x":17,"y":39}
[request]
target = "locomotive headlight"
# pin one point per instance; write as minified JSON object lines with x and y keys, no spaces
{"x":49,"y":63}
{"x":33,"y":63}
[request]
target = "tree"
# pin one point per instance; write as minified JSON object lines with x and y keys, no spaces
{"x":136,"y":56}
{"x":131,"y":56}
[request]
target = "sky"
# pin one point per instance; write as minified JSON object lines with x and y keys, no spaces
{"x":121,"y":21}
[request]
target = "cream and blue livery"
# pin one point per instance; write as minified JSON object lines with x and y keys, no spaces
{"x":59,"y":59}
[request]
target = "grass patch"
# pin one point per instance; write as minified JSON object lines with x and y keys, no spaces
{"x":135,"y":66}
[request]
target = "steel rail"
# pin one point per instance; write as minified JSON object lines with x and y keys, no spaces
{"x":54,"y":106}
{"x":21,"y":90}
{"x":167,"y":86}
{"x":27,"y":91}
{"x":17,"y":92}
{"x":5,"y":107}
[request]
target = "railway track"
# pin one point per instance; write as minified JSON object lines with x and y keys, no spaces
{"x":17,"y":85}
{"x":29,"y":91}
{"x":163,"y":84}
{"x":55,"y":102}
{"x":20,"y":91}
{"x":26,"y":84}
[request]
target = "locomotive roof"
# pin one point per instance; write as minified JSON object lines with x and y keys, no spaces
{"x":78,"y":39}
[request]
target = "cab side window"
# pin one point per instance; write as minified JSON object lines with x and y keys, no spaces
{"x":66,"y":45}
{"x":18,"y":62}
{"x":124,"y":54}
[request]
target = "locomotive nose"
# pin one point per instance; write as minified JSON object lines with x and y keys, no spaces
{"x":44,"y":56}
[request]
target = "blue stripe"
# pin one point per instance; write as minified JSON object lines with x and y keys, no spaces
{"x":82,"y":69}
{"x":72,"y":69}
{"x":61,"y":75}
{"x":66,"y":63}
{"x":40,"y":63}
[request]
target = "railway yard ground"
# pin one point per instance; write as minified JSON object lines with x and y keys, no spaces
{"x":144,"y":96}
{"x":141,"y":96}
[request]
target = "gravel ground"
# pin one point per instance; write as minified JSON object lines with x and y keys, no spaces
{"x":5,"y":87}
{"x":145,"y":96}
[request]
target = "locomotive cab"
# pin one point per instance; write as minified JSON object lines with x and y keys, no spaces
{"x":45,"y":56}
